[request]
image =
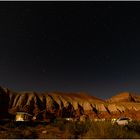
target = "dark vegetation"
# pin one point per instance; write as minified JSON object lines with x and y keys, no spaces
{"x":62,"y":129}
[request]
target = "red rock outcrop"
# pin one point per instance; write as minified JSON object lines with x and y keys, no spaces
{"x":124,"y":97}
{"x":68,"y":104}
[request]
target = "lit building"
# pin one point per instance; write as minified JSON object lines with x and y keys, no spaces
{"x":23,"y":116}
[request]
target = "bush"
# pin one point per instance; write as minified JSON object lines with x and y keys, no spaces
{"x":135,"y":126}
{"x":109,"y":131}
{"x":74,"y":129}
{"x":98,"y":130}
{"x":29,"y":134}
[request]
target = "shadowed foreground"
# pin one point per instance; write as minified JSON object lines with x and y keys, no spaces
{"x":61,"y":129}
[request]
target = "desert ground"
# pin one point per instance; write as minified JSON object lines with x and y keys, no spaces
{"x":67,"y":130}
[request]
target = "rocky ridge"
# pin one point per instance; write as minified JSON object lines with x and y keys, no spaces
{"x":125,"y":97}
{"x":64,"y":105}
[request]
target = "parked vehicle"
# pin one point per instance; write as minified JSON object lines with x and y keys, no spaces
{"x":123,"y":121}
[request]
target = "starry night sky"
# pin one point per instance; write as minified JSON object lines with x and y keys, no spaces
{"x":70,"y":46}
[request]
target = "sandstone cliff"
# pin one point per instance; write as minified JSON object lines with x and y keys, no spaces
{"x":124,"y":97}
{"x":57,"y":104}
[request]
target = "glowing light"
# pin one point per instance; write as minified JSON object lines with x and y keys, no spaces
{"x":19,"y":118}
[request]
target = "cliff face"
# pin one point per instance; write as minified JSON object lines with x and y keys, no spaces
{"x":68,"y":104}
{"x":125,"y":97}
{"x":4,"y":103}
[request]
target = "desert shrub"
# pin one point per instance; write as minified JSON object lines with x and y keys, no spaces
{"x":11,"y":131}
{"x":109,"y":131}
{"x":121,"y":132}
{"x":71,"y":130}
{"x":135,"y":126}
{"x":10,"y":134}
{"x":75,"y":129}
{"x":60,"y":123}
{"x":29,"y":134}
{"x":10,"y":124}
{"x":98,"y":130}
{"x":78,"y":128}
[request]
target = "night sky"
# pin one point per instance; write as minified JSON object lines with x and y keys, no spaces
{"x":70,"y":46}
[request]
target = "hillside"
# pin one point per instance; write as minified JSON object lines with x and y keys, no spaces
{"x":57,"y":104}
{"x":125,"y":97}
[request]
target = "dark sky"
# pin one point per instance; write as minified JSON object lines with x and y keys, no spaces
{"x":70,"y":46}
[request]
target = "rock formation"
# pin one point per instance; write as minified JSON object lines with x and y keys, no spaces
{"x":57,"y":104}
{"x":124,"y":97}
